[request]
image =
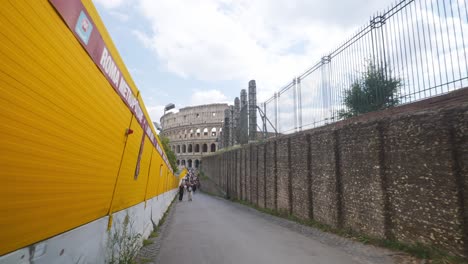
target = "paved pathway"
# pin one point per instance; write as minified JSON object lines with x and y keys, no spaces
{"x":213,"y":230}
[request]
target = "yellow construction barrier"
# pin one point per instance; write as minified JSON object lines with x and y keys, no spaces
{"x":70,"y":143}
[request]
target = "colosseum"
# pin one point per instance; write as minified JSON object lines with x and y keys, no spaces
{"x":194,"y":131}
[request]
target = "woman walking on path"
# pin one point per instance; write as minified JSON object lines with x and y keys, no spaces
{"x":181,"y":191}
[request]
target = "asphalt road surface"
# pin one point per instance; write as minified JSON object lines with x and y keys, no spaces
{"x":212,"y":230}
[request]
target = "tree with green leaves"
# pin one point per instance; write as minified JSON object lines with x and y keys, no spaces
{"x":170,"y":154}
{"x":377,"y":90}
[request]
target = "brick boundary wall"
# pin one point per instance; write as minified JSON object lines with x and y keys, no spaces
{"x":248,"y":168}
{"x":261,"y":193}
{"x":401,"y":173}
{"x":254,"y":174}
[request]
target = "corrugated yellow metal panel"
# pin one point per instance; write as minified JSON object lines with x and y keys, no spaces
{"x":156,"y":161}
{"x":62,"y":128}
{"x":130,"y":191}
{"x":163,"y":179}
{"x":145,"y":166}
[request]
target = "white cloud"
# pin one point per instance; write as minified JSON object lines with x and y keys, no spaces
{"x":110,"y":3}
{"x":155,"y":112}
{"x":143,"y":38}
{"x":242,"y":39}
{"x":135,"y":71}
{"x":120,"y":16}
{"x":208,"y":97}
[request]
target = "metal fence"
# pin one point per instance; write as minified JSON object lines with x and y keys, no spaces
{"x":415,"y":49}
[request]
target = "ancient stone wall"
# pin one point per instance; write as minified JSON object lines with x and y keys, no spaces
{"x":400,"y":174}
{"x":271,"y":175}
{"x":300,"y":176}
{"x":282,"y":175}
{"x":261,"y":192}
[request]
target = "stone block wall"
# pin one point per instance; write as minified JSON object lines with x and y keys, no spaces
{"x":271,"y":177}
{"x":361,"y":179}
{"x":261,"y":193}
{"x":232,"y":162}
{"x":224,"y":170}
{"x":325,"y":177}
{"x":253,"y":174}
{"x":247,"y":180}
{"x":239,"y":174}
{"x":283,"y":175}
{"x":300,"y":176}
{"x":423,"y":187}
{"x":459,"y":137}
{"x":401,"y":175}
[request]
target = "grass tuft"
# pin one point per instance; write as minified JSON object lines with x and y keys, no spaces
{"x":147,"y":242}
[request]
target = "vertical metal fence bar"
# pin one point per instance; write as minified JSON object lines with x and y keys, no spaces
{"x":460,"y":19}
{"x":366,"y":50}
{"x":331,"y":91}
{"x":381,"y":58}
{"x":414,"y":60}
{"x":449,"y":45}
{"x":295,"y":104}
{"x":410,"y":41}
{"x":443,"y":46}
{"x":384,"y":47}
{"x":277,"y":113}
{"x":299,"y":101}
{"x":348,"y":78}
{"x":423,"y":64}
{"x":459,"y":56}
{"x":339,"y":86}
{"x":440,"y":81}
{"x":264,"y":119}
{"x":434,"y":75}
{"x":394,"y":61}
{"x":404,"y":57}
{"x":409,"y":58}
{"x":390,"y":52}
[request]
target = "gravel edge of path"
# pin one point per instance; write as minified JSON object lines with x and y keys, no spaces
{"x":149,"y":254}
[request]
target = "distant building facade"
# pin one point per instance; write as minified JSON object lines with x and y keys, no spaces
{"x":194,"y":131}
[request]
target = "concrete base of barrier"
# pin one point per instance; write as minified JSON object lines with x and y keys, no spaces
{"x":89,"y":243}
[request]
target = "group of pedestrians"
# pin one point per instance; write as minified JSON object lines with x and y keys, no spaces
{"x":189,"y":185}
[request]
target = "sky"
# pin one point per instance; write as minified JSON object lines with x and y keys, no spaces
{"x":192,"y":52}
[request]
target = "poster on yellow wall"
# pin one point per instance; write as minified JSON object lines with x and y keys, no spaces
{"x":80,"y":23}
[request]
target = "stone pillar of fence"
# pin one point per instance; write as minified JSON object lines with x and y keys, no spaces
{"x":244,"y":133}
{"x":236,"y":120}
{"x":231,"y":125}
{"x":226,"y":128}
{"x":252,"y":110}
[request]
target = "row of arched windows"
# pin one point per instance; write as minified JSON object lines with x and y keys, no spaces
{"x":193,"y":148}
{"x":197,"y":132}
{"x":189,"y":163}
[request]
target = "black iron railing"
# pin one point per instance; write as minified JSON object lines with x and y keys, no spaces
{"x":414,"y":50}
